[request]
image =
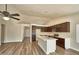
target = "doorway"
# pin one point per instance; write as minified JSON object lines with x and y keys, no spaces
{"x":26,"y":33}
{"x":2,"y":33}
{"x":33,"y":33}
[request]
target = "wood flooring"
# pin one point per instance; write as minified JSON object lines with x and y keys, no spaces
{"x":27,"y":48}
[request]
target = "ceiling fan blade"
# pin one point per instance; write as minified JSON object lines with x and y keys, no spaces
{"x":15,"y":18}
{"x":16,"y":14}
{"x":5,"y":13}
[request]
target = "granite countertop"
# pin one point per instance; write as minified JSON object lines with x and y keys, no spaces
{"x":47,"y":38}
{"x":56,"y":37}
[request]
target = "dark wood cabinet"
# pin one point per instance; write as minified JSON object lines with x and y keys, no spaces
{"x":61,"y":42}
{"x":64,"y":27}
{"x":43,"y":29}
{"x":54,"y":28}
{"x":33,"y":33}
{"x":49,"y":29}
{"x":46,"y":29}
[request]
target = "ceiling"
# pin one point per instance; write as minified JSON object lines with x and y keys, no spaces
{"x":41,"y":13}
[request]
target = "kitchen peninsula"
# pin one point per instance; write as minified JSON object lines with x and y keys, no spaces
{"x":47,"y":44}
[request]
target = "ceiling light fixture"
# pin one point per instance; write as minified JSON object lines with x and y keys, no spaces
{"x":6,"y":18}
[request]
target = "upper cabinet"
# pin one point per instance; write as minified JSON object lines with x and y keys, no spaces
{"x":46,"y":29}
{"x":63,"y":27}
{"x":53,"y":28}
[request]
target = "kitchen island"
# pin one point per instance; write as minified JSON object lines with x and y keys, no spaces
{"x":47,"y":44}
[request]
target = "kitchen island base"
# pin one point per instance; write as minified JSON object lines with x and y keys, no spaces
{"x":47,"y":45}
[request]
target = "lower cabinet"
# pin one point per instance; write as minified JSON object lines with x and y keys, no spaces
{"x":61,"y":42}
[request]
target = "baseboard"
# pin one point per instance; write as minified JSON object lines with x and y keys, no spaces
{"x":13,"y":41}
{"x":74,"y":49}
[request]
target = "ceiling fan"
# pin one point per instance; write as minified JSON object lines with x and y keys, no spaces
{"x":7,"y":15}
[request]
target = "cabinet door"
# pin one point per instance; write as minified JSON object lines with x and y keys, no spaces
{"x":61,"y":42}
{"x":54,"y":28}
{"x":58,"y":28}
{"x":49,"y":29}
{"x":46,"y":29}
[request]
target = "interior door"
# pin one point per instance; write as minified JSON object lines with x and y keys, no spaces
{"x":33,"y":33}
{"x":2,"y":33}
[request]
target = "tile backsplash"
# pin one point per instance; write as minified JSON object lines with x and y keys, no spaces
{"x":61,"y":34}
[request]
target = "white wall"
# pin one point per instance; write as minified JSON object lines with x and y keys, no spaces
{"x":2,"y":32}
{"x":77,"y":33}
{"x":74,"y":21}
{"x":1,"y":22}
{"x":13,"y":31}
